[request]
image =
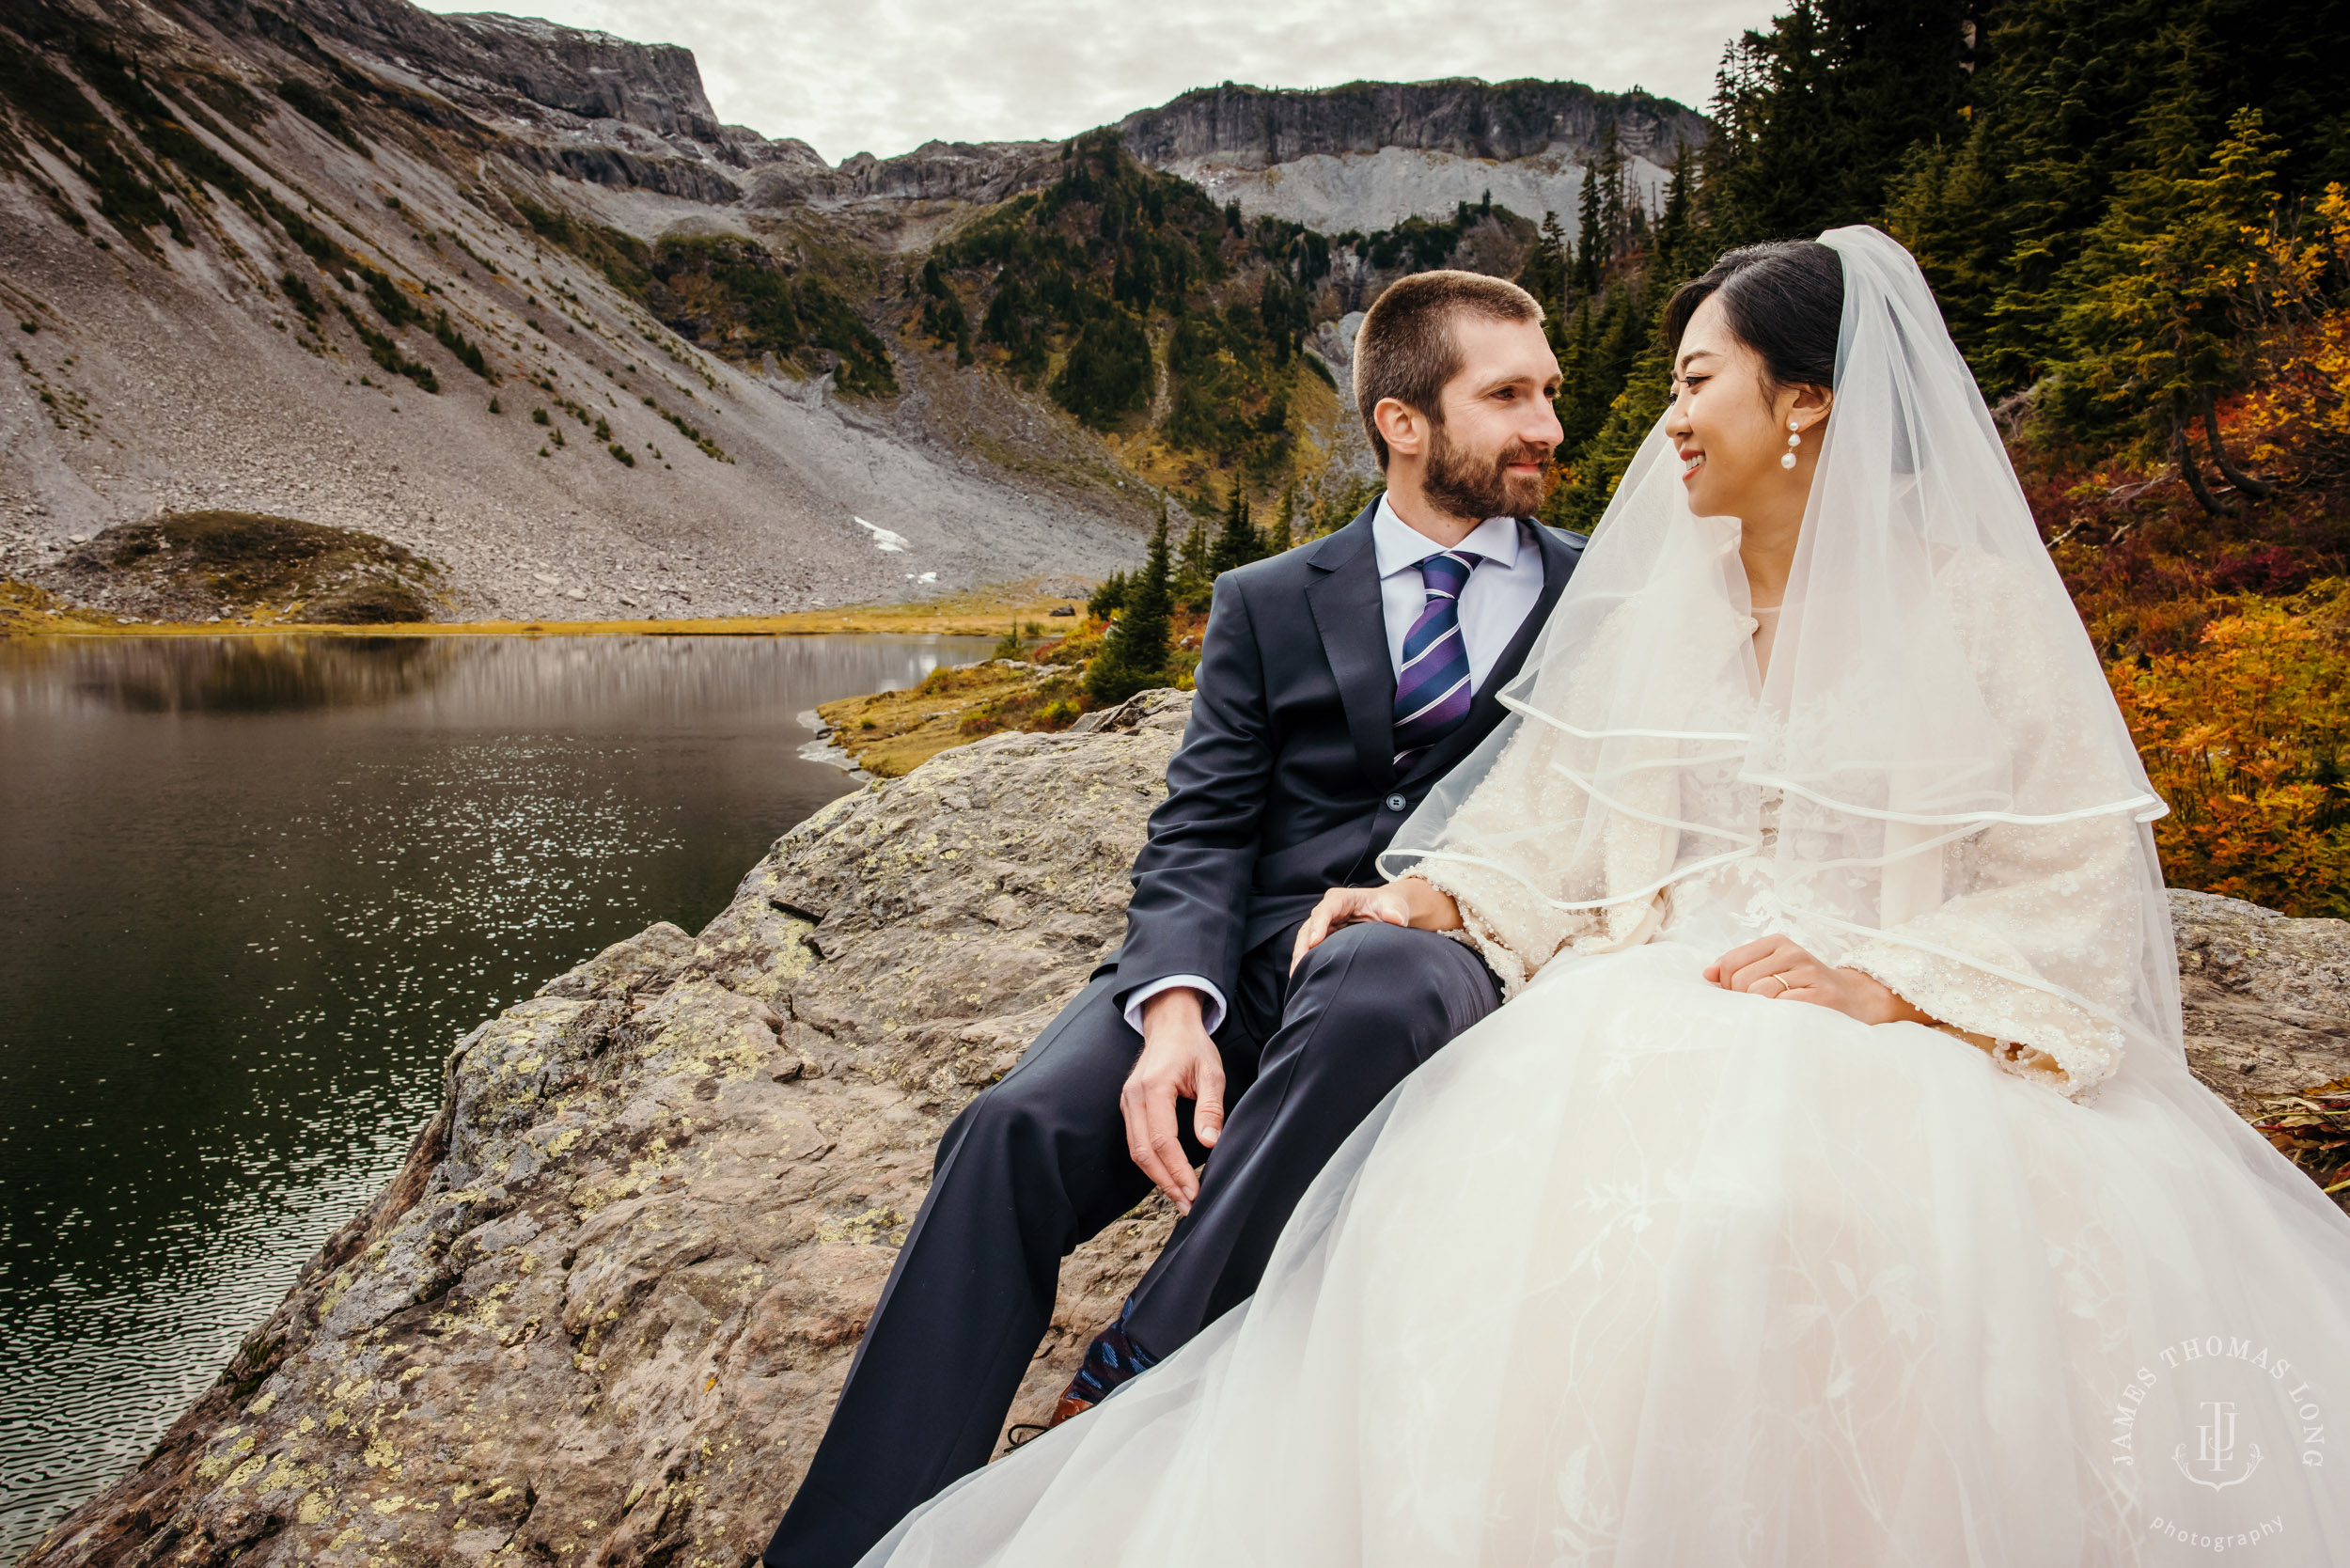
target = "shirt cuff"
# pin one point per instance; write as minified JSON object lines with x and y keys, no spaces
{"x":1211,"y":1011}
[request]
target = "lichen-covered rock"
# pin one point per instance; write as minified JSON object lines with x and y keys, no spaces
{"x":2267,"y":997}
{"x":601,"y":1315}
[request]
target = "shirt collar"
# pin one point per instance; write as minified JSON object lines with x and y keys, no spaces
{"x":1399,"y":545}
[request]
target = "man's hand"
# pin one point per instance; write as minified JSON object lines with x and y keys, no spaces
{"x":1178,"y":1062}
{"x":1776,"y":968}
{"x":1406,"y":902}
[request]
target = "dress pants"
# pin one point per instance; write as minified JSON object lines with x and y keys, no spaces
{"x":1038,"y":1164}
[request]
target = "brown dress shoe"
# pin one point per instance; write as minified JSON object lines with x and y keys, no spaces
{"x":1029,"y":1431}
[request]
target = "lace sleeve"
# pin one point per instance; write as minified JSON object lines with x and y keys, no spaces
{"x":2009,"y":963}
{"x":1530,"y":816}
{"x":2032,"y":952}
{"x":1503,"y":913}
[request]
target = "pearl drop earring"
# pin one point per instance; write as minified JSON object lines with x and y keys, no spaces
{"x":1795,"y":439}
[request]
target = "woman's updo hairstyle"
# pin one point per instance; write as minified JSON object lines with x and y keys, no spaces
{"x":1784,"y":299}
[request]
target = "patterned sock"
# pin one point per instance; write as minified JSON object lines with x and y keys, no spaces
{"x":1111,"y":1360}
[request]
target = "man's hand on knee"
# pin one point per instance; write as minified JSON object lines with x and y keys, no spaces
{"x":1406,"y":902}
{"x":1178,"y":1062}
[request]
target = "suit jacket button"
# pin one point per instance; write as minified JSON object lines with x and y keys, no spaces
{"x":1397,"y":803}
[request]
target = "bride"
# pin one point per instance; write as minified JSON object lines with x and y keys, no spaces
{"x":1832,"y":1190}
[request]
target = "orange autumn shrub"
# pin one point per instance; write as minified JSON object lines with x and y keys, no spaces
{"x":2244,"y":736}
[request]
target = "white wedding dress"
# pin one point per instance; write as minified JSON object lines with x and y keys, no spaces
{"x":1646,"y":1274}
{"x":1641,"y":1272}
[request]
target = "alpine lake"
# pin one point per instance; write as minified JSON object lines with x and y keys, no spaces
{"x":252,"y":890}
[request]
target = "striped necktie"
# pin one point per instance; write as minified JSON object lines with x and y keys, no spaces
{"x":1432,"y":690}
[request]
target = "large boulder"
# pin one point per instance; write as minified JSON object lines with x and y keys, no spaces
{"x":601,"y":1315}
{"x":2267,"y":999}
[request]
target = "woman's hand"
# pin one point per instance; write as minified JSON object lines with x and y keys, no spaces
{"x":1774,"y":967}
{"x":1408,"y":902}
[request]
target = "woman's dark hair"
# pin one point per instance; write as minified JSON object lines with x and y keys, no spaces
{"x":1784,"y":299}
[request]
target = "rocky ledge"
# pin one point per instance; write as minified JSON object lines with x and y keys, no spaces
{"x":601,"y":1315}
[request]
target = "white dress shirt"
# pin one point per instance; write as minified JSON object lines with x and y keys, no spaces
{"x":1499,"y":595}
{"x":1493,"y":603}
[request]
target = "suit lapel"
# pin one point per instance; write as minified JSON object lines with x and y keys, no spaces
{"x":1343,"y":599}
{"x":1558,"y":560}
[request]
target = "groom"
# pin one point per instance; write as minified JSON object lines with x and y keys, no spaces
{"x":1335,"y":685}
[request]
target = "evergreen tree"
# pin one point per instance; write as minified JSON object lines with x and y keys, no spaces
{"x":1613,"y":221}
{"x":1676,"y":242}
{"x":1643,"y":387}
{"x":1195,"y":574}
{"x":944,"y":318}
{"x":1818,"y":113}
{"x":2066,"y":171}
{"x":1236,"y":543}
{"x":1945,"y":206}
{"x":2065,"y":113}
{"x":1740,"y":106}
{"x":1280,"y":536}
{"x":1545,"y":272}
{"x":2071,"y":103}
{"x":1609,"y":334}
{"x":1591,"y":235}
{"x":1109,"y":597}
{"x":1108,"y":373}
{"x":1133,"y":655}
{"x":2151,"y":325}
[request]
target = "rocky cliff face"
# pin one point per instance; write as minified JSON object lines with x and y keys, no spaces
{"x":510,"y":65}
{"x":593,"y":75}
{"x":601,"y":1315}
{"x":979,"y":173}
{"x":1248,"y":126}
{"x":1370,"y":154}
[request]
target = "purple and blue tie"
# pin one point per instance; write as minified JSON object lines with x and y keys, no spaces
{"x":1432,"y":690}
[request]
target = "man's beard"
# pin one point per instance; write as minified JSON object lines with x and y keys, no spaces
{"x":1463,"y":485}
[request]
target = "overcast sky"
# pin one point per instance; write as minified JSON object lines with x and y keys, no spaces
{"x":883,"y":76}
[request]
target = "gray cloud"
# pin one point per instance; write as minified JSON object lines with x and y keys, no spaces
{"x":883,"y":76}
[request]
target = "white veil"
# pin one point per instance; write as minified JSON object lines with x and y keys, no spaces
{"x":1930,"y":686}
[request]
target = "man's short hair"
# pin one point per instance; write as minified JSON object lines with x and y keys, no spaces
{"x":1407,"y":348}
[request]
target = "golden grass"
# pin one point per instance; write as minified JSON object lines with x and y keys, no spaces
{"x":891,"y":733}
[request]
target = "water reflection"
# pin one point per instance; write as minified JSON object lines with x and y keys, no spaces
{"x":225,"y":675}
{"x":250,"y":892}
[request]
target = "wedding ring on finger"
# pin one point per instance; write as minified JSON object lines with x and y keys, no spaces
{"x":1775,"y":981}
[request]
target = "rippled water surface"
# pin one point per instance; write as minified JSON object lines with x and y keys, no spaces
{"x":251,"y":890}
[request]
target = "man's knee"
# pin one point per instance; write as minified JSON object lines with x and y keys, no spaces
{"x":1010,"y":1121}
{"x":1414,"y":983}
{"x":1052,"y":1103}
{"x":1374,"y":951}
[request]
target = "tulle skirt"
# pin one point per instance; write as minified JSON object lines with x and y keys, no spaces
{"x":1642,"y":1273}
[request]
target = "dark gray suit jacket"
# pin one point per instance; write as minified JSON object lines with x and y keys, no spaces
{"x":1285,"y":785}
